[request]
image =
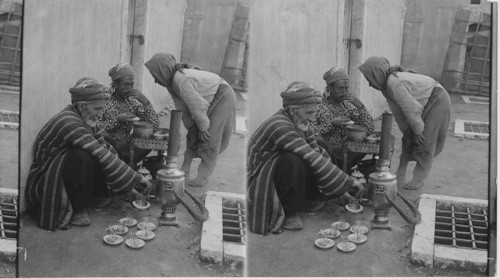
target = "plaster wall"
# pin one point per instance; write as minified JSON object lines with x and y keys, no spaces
{"x":163,"y":33}
{"x":206,"y":32}
{"x":379,"y":24}
{"x":64,"y":41}
{"x":290,"y":40}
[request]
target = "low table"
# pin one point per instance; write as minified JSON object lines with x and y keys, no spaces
{"x":143,"y":143}
{"x":362,"y":147}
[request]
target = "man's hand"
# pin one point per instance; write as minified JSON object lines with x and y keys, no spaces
{"x":124,"y":117}
{"x":144,"y":185}
{"x":360,"y":187}
{"x":346,"y":198}
{"x":340,"y":121}
{"x":136,"y":93}
{"x":204,"y":136}
{"x":132,"y":195}
{"x":418,"y":139}
{"x":353,"y":100}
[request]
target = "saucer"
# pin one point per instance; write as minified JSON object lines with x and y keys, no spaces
{"x":145,"y":234}
{"x":112,"y":239}
{"x":118,"y":229}
{"x":150,"y":226}
{"x":357,"y":238}
{"x":330,"y":233}
{"x":359,"y":229}
{"x":324,"y":243}
{"x":346,"y":246}
{"x":342,"y":226}
{"x":129,"y":222}
{"x":352,"y":210}
{"x":135,"y":243}
{"x":141,"y":207}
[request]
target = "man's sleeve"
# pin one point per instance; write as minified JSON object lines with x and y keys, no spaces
{"x":119,"y":176}
{"x":331,"y":180}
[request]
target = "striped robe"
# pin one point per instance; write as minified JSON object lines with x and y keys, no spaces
{"x":45,"y":189}
{"x":277,"y":134}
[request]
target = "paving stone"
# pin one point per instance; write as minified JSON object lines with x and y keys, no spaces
{"x":211,"y":244}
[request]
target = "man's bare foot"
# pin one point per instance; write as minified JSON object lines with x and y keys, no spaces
{"x":199,"y":181}
{"x":414,"y":185}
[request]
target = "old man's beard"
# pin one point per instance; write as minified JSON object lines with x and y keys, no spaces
{"x":91,"y":121}
{"x":303,"y":125}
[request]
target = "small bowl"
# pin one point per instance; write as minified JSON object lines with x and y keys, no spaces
{"x":119,"y":229}
{"x":145,"y":234}
{"x":352,"y":210}
{"x":324,"y":243}
{"x":357,"y":238}
{"x":141,"y":207}
{"x":359,"y":229}
{"x":346,"y":246}
{"x":330,"y":233}
{"x":372,"y":139}
{"x":112,"y":239}
{"x":129,"y":222}
{"x":159,"y":136}
{"x":135,"y":243}
{"x":133,"y":118}
{"x":150,"y":226}
{"x":341,"y":226}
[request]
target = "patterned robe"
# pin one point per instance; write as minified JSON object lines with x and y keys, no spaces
{"x":329,"y":111}
{"x":45,"y":189}
{"x":115,"y":106}
{"x":277,"y":134}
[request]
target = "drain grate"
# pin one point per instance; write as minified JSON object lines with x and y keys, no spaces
{"x":461,"y":226}
{"x":223,"y":238}
{"x":9,"y":119}
{"x":8,"y":219}
{"x":453,"y":233}
{"x":233,"y":221}
{"x":472,"y":127}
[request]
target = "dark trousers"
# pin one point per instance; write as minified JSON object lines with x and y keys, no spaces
{"x":336,"y":153}
{"x":82,"y":178}
{"x":294,"y":182}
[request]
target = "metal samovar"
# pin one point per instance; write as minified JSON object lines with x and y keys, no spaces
{"x":383,"y":184}
{"x":171,"y":180}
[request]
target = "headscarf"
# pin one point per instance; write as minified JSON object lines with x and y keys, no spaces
{"x":88,"y":90}
{"x":300,"y":93}
{"x":120,"y":70}
{"x":334,"y":74}
{"x":377,"y":71}
{"x":163,"y":67}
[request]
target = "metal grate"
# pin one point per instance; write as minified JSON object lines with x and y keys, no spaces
{"x":9,"y":119}
{"x":8,"y":219}
{"x":472,"y":127}
{"x":233,"y":221}
{"x":461,"y":226}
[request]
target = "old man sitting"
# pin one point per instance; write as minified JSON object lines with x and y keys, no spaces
{"x":287,"y":170}
{"x":73,"y":164}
